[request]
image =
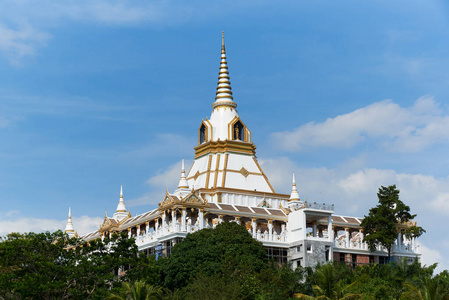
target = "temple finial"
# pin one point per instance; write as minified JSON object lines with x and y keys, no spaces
{"x":224,"y":94}
{"x":223,"y":50}
{"x":121,"y":208}
{"x":183,"y":184}
{"x":294,"y":196}
{"x":69,"y":227}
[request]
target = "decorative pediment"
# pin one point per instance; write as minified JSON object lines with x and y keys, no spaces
{"x":108,"y":223}
{"x":168,"y":200}
{"x":194,"y":199}
{"x":264,"y":203}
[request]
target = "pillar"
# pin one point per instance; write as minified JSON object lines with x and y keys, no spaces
{"x":129,"y":232}
{"x":220,"y":219}
{"x":330,"y":229}
{"x":163,"y":221}
{"x":201,"y":218}
{"x":254,"y":225}
{"x":138,"y":230}
{"x":270,"y":229}
{"x":347,"y":235}
{"x":173,"y":217}
{"x":183,"y":219}
{"x":156,"y":225}
{"x":147,"y":228}
{"x":314,"y":228}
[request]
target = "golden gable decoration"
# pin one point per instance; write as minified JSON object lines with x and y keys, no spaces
{"x":264,"y":203}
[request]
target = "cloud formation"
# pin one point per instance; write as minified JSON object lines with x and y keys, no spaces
{"x":397,"y":128}
{"x":16,"y":44}
{"x":354,"y":191}
{"x":12,"y":221}
{"x":167,"y":179}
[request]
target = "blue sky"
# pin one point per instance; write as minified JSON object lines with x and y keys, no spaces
{"x":349,"y":95}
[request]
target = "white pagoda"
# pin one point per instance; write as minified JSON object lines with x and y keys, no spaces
{"x":226,"y":184}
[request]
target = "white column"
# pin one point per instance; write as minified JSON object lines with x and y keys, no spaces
{"x":156,"y":225}
{"x":129,"y":232}
{"x":147,"y":228}
{"x":201,"y":218}
{"x":102,"y":236}
{"x":347,"y":236}
{"x":220,"y":219}
{"x":399,"y":240}
{"x":163,"y":221}
{"x":254,"y":225}
{"x":173,"y":218}
{"x":183,"y":219}
{"x":138,"y":230}
{"x":270,"y":229}
{"x":330,"y":231}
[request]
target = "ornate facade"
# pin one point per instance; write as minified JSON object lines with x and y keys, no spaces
{"x":226,"y":184}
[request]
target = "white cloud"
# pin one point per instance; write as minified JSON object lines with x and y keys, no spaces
{"x":167,"y":179}
{"x":430,"y":256}
{"x":12,"y":221}
{"x":18,"y":43}
{"x":396,"y":128}
{"x":354,"y":192}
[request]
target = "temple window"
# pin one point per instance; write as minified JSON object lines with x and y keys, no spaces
{"x":238,"y":131}
{"x":202,"y":133}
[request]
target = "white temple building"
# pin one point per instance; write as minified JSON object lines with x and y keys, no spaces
{"x":226,"y":184}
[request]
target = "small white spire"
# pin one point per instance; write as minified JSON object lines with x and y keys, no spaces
{"x":69,"y":227}
{"x":120,"y":213}
{"x":224,"y":94}
{"x":294,"y":196}
{"x":183,"y":184}
{"x":121,"y":204}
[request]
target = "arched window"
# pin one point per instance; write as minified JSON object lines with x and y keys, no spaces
{"x":202,"y":133}
{"x":238,"y":131}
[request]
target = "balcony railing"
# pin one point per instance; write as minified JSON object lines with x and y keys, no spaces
{"x":404,"y":248}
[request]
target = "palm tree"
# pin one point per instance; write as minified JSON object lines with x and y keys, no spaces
{"x":428,"y":289}
{"x":138,"y":290}
{"x":329,"y":285}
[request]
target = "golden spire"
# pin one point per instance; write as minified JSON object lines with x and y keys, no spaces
{"x":224,"y":94}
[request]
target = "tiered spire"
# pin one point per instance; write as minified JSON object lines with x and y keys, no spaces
{"x":183,"y":181}
{"x":294,"y":196}
{"x":224,"y":94}
{"x":69,"y":227}
{"x":121,"y":204}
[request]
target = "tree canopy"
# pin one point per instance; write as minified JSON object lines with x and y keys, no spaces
{"x":382,"y":224}
{"x":50,"y":265}
{"x":227,"y":248}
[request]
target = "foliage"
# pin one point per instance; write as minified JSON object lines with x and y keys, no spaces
{"x":381,"y":224}
{"x":228,"y":248}
{"x":50,"y":265}
{"x":138,"y":290}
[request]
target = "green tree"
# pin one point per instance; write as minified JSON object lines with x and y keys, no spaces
{"x":228,"y":249}
{"x":381,"y":223}
{"x":137,"y":290}
{"x":50,"y":265}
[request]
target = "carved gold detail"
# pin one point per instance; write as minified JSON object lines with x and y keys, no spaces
{"x":197,"y":174}
{"x":244,"y":172}
{"x":225,"y":146}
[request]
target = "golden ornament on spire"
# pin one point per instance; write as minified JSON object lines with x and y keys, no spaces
{"x":224,"y":94}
